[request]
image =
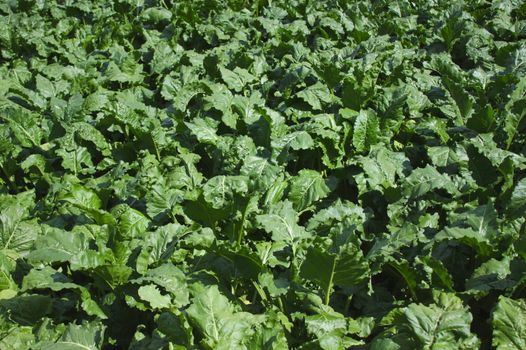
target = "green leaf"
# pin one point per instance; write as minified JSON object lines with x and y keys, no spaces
{"x":161,"y":200}
{"x":171,"y":279}
{"x":180,"y":95}
{"x":156,"y":14}
{"x":483,"y":219}
{"x":515,"y":111}
{"x":45,"y":87}
{"x":96,"y":101}
{"x":281,"y":222}
{"x":162,"y":241}
{"x":481,"y":168}
{"x":262,"y":173}
{"x":58,"y":246}
{"x":220,"y":190}
{"x":483,"y":120}
{"x":463,"y":100}
{"x":85,"y":336}
{"x":315,"y":94}
{"x":509,"y":324}
{"x":131,"y":222}
{"x":424,"y":180}
{"x":77,"y":159}
{"x":366,"y":131}
{"x":268,"y":335}
{"x":222,"y":100}
{"x":48,"y":278}
{"x":442,"y":156}
{"x":89,"y":133}
{"x":489,"y":276}
{"x":236,"y":79}
{"x":326,"y":321}
{"x":307,"y":188}
{"x":128,"y":72}
{"x":24,"y":126}
{"x":204,"y":130}
{"x":215,"y":318}
{"x":152,"y":295}
{"x":296,"y":140}
{"x":517,"y":202}
{"x":82,"y":197}
{"x":475,"y":239}
{"x":344,"y":268}
{"x":381,"y":167}
{"x":27,"y":309}
{"x":20,"y":337}
{"x":438,"y":274}
{"x":443,"y":325}
{"x":209,"y":310}
{"x":17,"y":233}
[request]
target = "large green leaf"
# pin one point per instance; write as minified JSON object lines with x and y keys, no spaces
{"x":307,"y":188}
{"x":85,"y":336}
{"x":209,"y":310}
{"x":24,"y":126}
{"x":346,"y":267}
{"x":214,"y":316}
{"x":131,"y":222}
{"x":219,"y":191}
{"x":366,"y":131}
{"x":171,"y":279}
{"x":509,"y":324}
{"x":17,"y":231}
{"x":517,"y":202}
{"x":445,"y":325}
{"x":58,"y":245}
{"x":281,"y":222}
{"x":315,"y":94}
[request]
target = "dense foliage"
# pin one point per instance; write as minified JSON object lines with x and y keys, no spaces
{"x":230,"y":174}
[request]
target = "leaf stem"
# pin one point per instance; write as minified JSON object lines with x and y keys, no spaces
{"x":241,"y":230}
{"x":347,"y":305}
{"x":157,"y":153}
{"x":260,"y":291}
{"x":293,"y":268}
{"x":280,"y":304}
{"x":329,"y":285}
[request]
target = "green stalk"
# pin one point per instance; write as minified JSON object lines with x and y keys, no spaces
{"x":241,"y":230}
{"x":157,"y":153}
{"x":347,"y":305}
{"x":280,"y":304}
{"x":293,"y":268}
{"x":329,"y":285}
{"x":260,"y":291}
{"x":75,"y":161}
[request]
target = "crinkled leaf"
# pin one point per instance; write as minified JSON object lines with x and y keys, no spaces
{"x":307,"y":188}
{"x":281,"y":222}
{"x":366,"y":131}
{"x":509,"y":324}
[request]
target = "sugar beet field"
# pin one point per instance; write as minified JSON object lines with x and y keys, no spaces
{"x":262,"y":175}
